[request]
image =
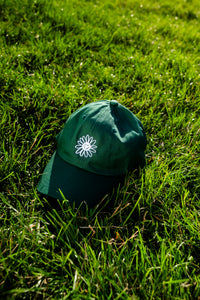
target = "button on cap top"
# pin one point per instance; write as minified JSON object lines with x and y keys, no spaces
{"x":113,"y":103}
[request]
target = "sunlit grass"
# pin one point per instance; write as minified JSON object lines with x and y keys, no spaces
{"x":55,"y":57}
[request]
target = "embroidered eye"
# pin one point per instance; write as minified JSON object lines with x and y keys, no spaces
{"x":86,"y":146}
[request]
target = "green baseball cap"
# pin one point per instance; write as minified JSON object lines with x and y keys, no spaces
{"x":100,"y":143}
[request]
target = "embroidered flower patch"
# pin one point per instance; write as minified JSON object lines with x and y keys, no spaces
{"x":86,"y":146}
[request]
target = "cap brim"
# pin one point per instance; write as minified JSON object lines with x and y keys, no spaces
{"x":76,"y":185}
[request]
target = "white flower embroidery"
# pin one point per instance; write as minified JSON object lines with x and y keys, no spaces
{"x":86,"y":146}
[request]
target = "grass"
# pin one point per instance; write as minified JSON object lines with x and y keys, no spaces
{"x":55,"y":57}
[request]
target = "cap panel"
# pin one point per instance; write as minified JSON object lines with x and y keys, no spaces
{"x":77,"y":142}
{"x":132,"y":134}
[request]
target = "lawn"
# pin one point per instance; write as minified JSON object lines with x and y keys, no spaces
{"x":56,"y":56}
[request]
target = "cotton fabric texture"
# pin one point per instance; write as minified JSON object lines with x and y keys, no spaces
{"x":100,"y":143}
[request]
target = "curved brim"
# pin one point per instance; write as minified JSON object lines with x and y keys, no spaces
{"x":76,"y":185}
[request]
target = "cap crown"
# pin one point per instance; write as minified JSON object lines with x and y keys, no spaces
{"x":103,"y":137}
